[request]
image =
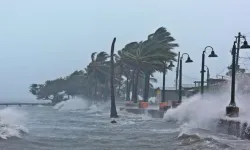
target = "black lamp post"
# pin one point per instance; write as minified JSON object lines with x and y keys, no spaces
{"x":232,"y":110}
{"x":203,"y":65}
{"x":208,"y":76}
{"x":189,"y":60}
{"x":164,"y":76}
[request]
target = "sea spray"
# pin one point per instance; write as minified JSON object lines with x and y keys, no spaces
{"x":196,"y":112}
{"x":99,"y":107}
{"x":12,"y":123}
{"x":76,"y":104}
{"x":72,"y":104}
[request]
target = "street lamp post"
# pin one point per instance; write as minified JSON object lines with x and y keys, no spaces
{"x":163,"y":104}
{"x":232,"y":110}
{"x":189,"y":60}
{"x":208,"y":76}
{"x":233,"y":126}
{"x":164,"y":78}
{"x":203,"y":65}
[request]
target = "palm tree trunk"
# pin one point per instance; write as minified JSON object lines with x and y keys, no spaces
{"x":135,"y":86}
{"x":88,"y":88}
{"x":127,"y":90}
{"x":163,"y":84}
{"x":132,"y":83}
{"x":130,"y":87}
{"x":95,"y":91}
{"x":119,"y":89}
{"x":146,"y":87}
{"x":113,"y":112}
{"x":119,"y":84}
{"x":106,"y":89}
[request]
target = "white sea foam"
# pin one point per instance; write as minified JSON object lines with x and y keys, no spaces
{"x":72,"y":104}
{"x":76,"y":104}
{"x":198,"y":112}
{"x":204,"y":112}
{"x":12,"y":123}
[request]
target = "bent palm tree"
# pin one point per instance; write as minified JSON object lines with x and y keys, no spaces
{"x":147,"y":57}
{"x":98,"y":72}
{"x":113,"y":112}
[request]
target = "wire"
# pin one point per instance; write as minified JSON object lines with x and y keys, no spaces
{"x":246,"y":34}
{"x":221,"y":71}
{"x":245,"y":60}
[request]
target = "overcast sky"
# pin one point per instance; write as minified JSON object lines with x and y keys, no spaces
{"x":46,"y":39}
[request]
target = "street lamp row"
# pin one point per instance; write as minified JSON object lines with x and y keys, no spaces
{"x":232,"y":110}
{"x":202,"y":70}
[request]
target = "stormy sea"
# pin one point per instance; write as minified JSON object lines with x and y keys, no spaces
{"x":77,"y":124}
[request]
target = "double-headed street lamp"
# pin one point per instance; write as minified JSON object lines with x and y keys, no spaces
{"x":189,"y":60}
{"x":203,"y":65}
{"x":232,"y":110}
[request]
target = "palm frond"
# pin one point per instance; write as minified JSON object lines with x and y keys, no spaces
{"x":93,"y":56}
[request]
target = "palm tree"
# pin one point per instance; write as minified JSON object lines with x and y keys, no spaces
{"x":137,"y":61}
{"x":147,"y":57}
{"x":128,"y":55}
{"x":162,"y":38}
{"x":124,"y":70}
{"x":113,"y":112}
{"x":98,"y":72}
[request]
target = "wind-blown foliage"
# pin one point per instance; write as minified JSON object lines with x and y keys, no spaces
{"x":134,"y":66}
{"x":148,"y":56}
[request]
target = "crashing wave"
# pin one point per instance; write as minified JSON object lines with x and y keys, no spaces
{"x":72,"y":104}
{"x":77,"y":104}
{"x":11,"y":120}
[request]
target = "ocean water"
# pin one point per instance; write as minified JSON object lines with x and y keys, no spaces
{"x":79,"y":125}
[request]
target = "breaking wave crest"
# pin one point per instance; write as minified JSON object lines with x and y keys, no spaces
{"x":197,"y":112}
{"x":72,"y":104}
{"x":11,"y":123}
{"x":197,"y":119}
{"x":79,"y":104}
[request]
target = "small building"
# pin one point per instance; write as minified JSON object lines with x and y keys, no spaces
{"x":171,"y":94}
{"x":212,"y":81}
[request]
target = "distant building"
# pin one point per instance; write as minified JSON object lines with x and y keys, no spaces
{"x":171,"y":94}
